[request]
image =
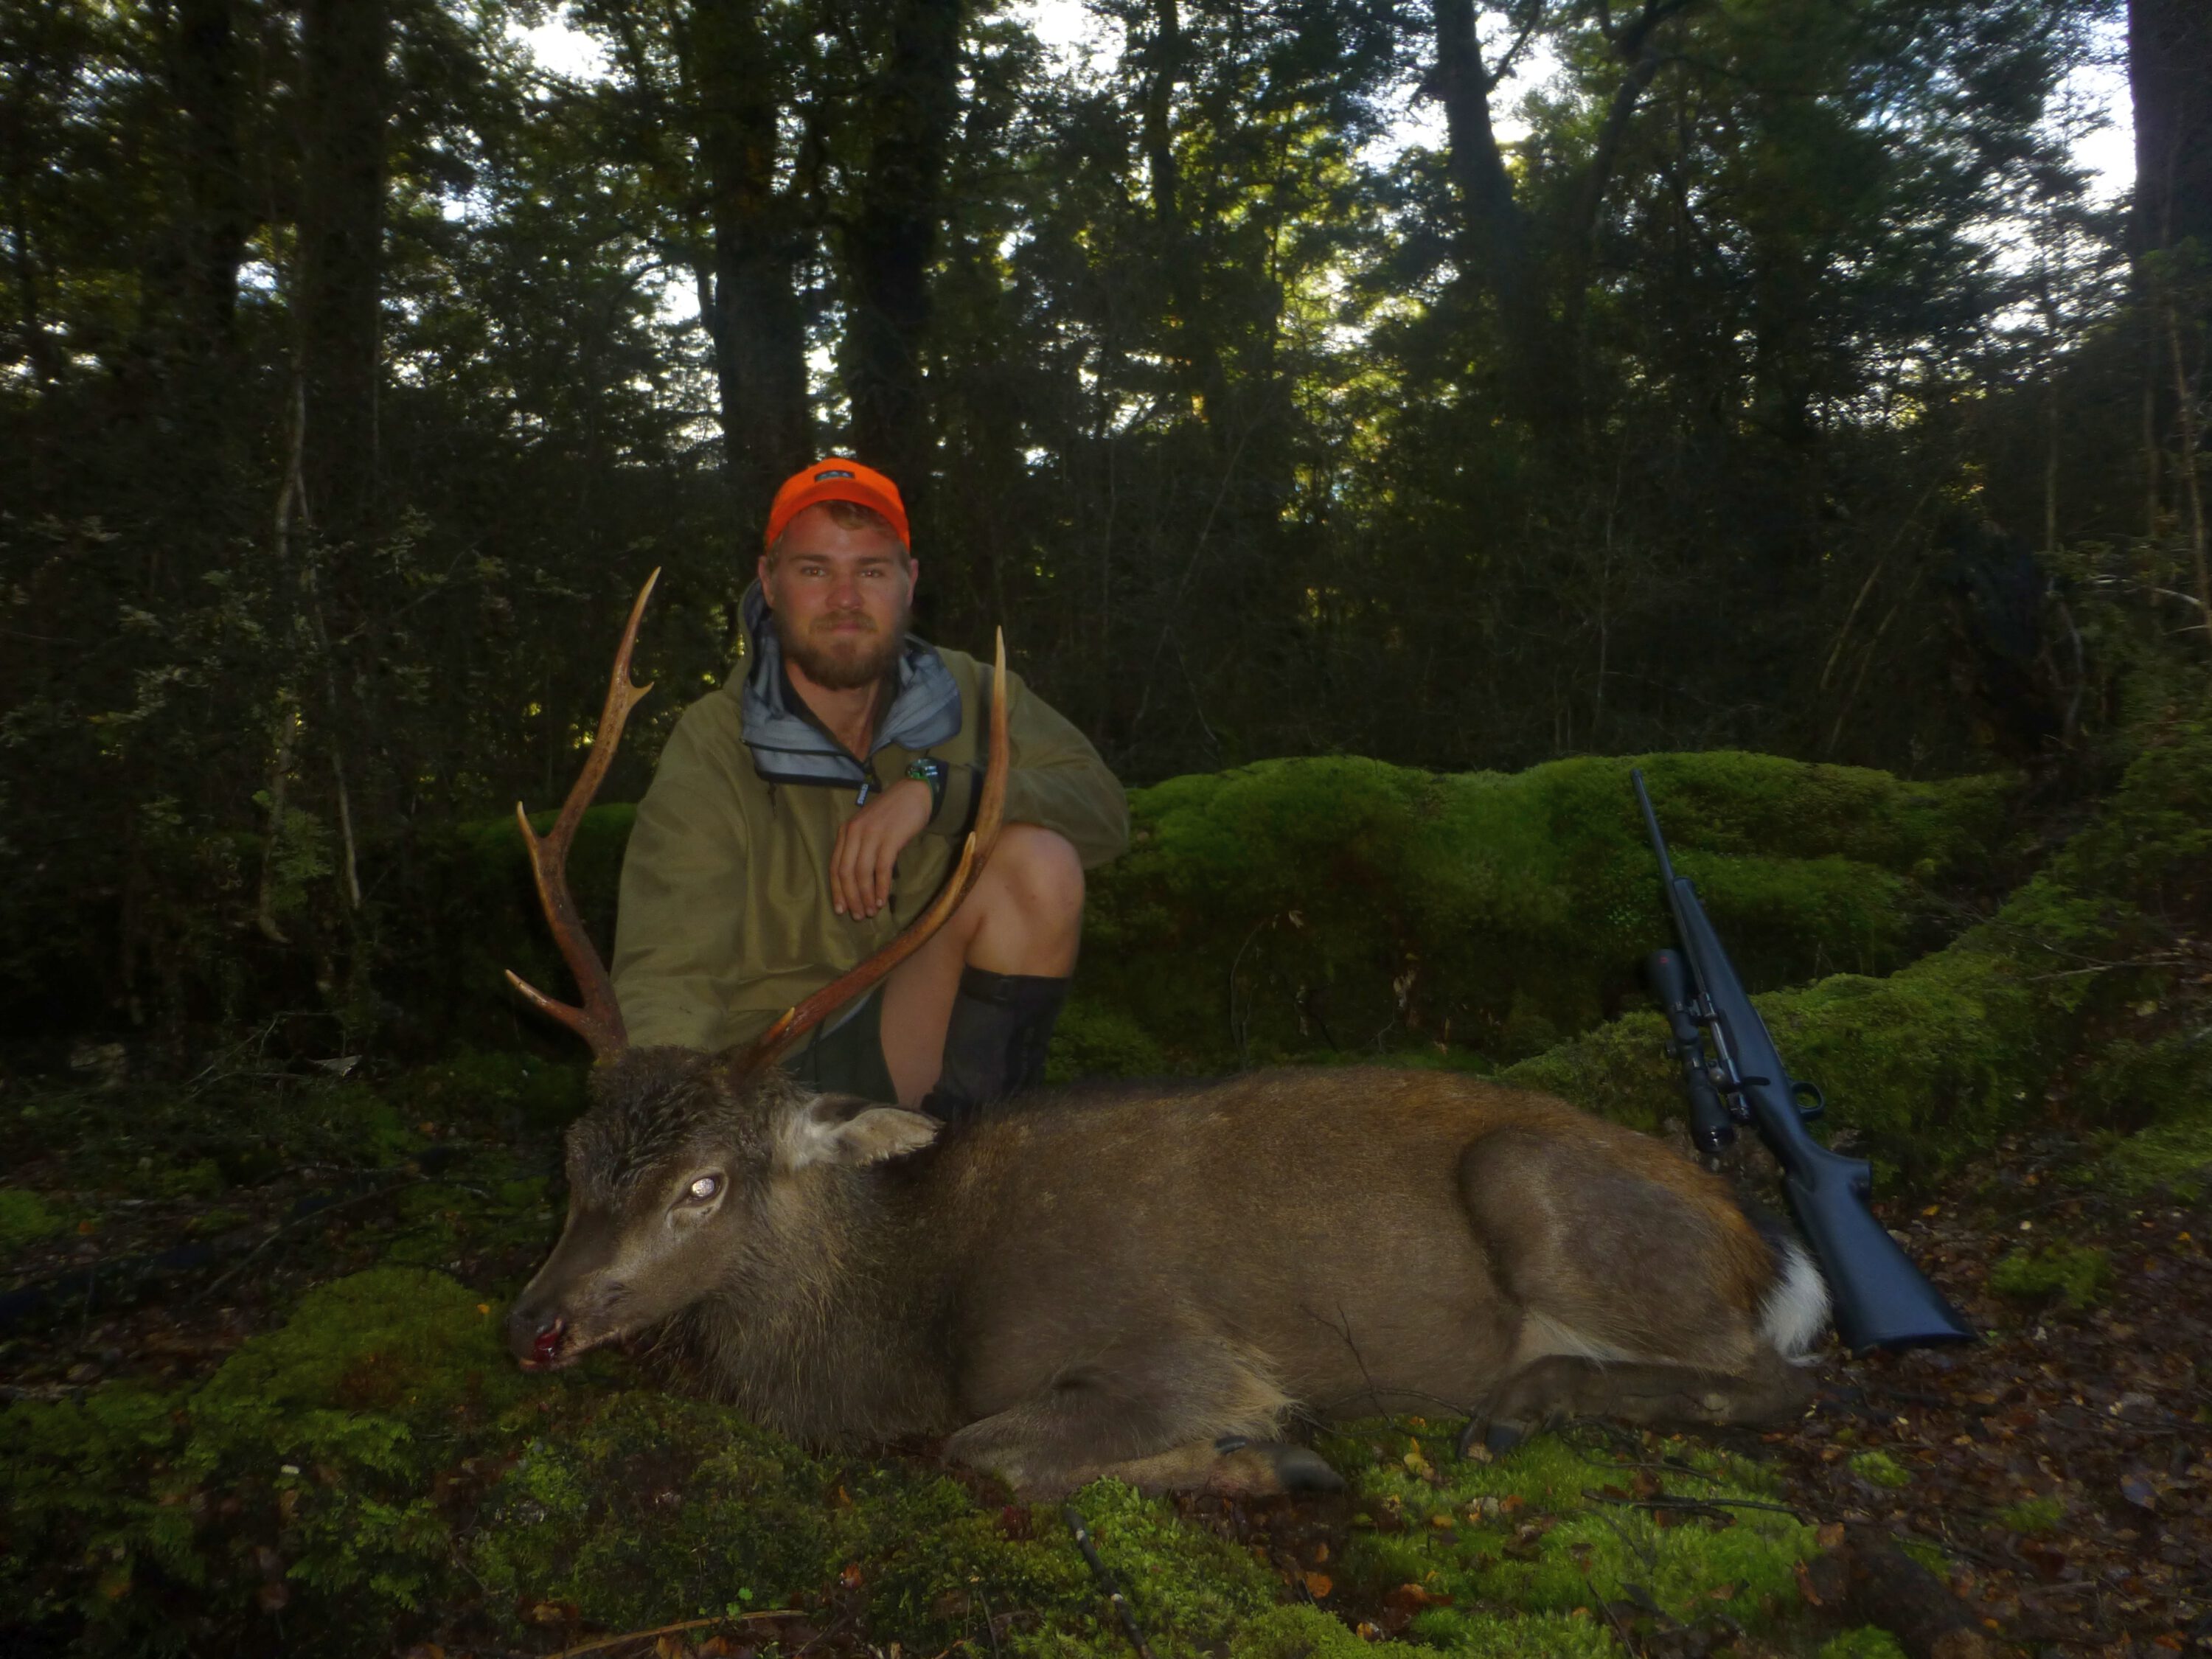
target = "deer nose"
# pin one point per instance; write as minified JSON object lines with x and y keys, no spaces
{"x":535,"y":1340}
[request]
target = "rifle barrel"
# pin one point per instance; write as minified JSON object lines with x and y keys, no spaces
{"x":1880,"y":1298}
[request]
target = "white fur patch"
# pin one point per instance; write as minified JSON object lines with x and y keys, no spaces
{"x":1542,"y":1336}
{"x":1797,"y":1307}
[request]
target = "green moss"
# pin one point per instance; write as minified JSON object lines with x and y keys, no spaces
{"x":1931,"y":1062}
{"x":26,"y":1218}
{"x":645,"y":1508}
{"x":2032,"y":1514}
{"x":1295,"y":905}
{"x":202,"y":1179}
{"x":1297,"y":1632}
{"x":81,"y":1516}
{"x":2073,"y":1274}
{"x":1929,"y":1554}
{"x":1879,"y":1468}
{"x":2166,"y":1077}
{"x":1298,"y":906}
{"x":2176,"y":1155}
{"x":1091,"y":1041}
{"x":1867,"y":1642}
{"x":442,"y":1222}
{"x":1552,"y":1528}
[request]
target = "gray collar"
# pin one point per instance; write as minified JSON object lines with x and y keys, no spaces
{"x":790,"y":747}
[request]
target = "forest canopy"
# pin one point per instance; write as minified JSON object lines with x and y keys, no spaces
{"x":1783,"y":384}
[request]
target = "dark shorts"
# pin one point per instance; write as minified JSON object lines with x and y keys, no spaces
{"x":847,"y":1058}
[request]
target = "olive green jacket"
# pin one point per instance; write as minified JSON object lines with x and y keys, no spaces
{"x":726,"y":919}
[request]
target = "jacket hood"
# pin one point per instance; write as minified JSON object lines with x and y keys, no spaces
{"x":789,"y":747}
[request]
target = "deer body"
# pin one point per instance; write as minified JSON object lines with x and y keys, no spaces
{"x":1114,"y":1281}
{"x":1141,"y":1283}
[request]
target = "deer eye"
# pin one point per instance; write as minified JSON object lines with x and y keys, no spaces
{"x":703,"y":1189}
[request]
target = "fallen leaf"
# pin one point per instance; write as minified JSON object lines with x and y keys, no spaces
{"x":2138,"y":1489}
{"x":1319,"y":1584}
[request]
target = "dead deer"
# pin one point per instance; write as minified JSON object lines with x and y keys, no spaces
{"x":1141,"y":1282}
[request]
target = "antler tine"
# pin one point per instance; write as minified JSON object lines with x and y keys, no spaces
{"x":990,"y":813}
{"x":600,"y":1020}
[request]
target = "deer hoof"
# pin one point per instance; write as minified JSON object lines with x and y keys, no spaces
{"x":1498,"y":1438}
{"x":1302,"y":1470}
{"x":1270,"y":1468}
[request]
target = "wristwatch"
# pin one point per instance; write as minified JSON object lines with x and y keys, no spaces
{"x":927,"y":769}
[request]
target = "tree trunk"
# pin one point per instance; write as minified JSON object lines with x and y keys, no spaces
{"x":1494,"y":231}
{"x":1496,"y":240}
{"x":340,"y":220}
{"x":1181,"y":260}
{"x":752,"y":306}
{"x":2169,"y":76}
{"x":893,"y":237}
{"x":205,"y":72}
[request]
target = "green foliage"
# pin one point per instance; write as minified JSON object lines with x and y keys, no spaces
{"x":1325,"y":904}
{"x":26,"y":1218}
{"x":1937,"y":1058}
{"x":1879,"y":1468}
{"x":2076,"y":1275}
{"x":1867,"y":1642}
{"x":2033,"y":1515}
{"x":1296,"y":1632}
{"x":1548,"y":1532}
{"x":644,"y":1508}
{"x":2177,"y":1155}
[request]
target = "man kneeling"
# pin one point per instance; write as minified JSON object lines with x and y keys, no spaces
{"x":802,"y":815}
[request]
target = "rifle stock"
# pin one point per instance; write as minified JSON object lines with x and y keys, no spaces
{"x":1735,"y":1074}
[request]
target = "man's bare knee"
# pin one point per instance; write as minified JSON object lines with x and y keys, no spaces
{"x":1038,"y":870}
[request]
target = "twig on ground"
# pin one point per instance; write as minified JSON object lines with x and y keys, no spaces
{"x":1666,"y":1502}
{"x":1611,"y":1618}
{"x":1074,"y":1517}
{"x":670,"y":1630}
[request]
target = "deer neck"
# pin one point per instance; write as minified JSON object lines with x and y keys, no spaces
{"x":835,"y":1327}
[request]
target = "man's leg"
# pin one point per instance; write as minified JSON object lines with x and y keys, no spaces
{"x":1018,"y":930}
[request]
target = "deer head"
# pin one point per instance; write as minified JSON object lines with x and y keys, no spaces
{"x":688,"y":1166}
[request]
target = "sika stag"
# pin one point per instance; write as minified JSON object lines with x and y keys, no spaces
{"x":1141,"y":1281}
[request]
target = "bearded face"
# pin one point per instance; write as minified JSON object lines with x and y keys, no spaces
{"x":841,"y":586}
{"x":841,"y":650}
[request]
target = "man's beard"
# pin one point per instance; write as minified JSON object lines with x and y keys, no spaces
{"x":843,"y":661}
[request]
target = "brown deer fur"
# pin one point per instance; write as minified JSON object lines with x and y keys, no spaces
{"x":1146,"y":1282}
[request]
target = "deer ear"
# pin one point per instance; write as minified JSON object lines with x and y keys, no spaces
{"x":846,"y":1129}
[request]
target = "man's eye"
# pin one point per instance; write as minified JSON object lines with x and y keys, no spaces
{"x":704,"y":1188}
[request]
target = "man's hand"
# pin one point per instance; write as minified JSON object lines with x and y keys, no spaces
{"x":869,"y":844}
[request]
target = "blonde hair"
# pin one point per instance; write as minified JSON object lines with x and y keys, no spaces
{"x":846,"y":515}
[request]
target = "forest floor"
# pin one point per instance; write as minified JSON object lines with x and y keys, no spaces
{"x":2046,"y":1490}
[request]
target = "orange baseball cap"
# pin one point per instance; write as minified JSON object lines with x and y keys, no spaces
{"x":838,"y":478}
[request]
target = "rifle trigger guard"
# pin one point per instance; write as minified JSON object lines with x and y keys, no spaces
{"x":1804,"y":1092}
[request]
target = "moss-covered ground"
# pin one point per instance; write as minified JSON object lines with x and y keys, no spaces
{"x":255,"y":1399}
{"x":312,"y":1427}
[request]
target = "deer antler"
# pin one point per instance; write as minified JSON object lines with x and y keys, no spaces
{"x":990,"y":812}
{"x":600,"y":1020}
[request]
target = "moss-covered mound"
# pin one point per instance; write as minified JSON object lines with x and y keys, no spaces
{"x":2089,"y":977}
{"x":377,"y":1472}
{"x":1300,"y":907}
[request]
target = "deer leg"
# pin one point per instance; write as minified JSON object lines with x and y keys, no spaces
{"x":1177,"y":1419}
{"x":1547,"y":1392}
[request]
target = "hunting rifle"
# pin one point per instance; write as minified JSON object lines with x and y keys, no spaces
{"x":1735,"y":1076}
